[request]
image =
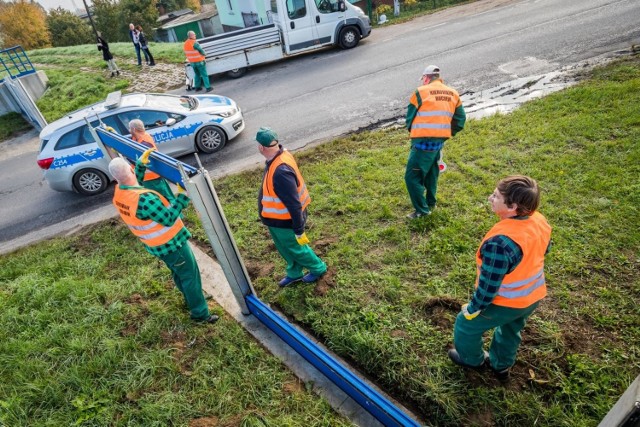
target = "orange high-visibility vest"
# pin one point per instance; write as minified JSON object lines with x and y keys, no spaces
{"x":148,"y":231}
{"x":434,"y":116}
{"x":192,"y":54}
{"x":525,"y":285}
{"x":272,"y":206}
{"x":147,"y":140}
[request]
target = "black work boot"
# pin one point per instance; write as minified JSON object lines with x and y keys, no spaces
{"x":455,"y":358}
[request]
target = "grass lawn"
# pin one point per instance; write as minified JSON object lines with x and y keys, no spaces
{"x":12,"y":124}
{"x":92,"y":334}
{"x":394,"y":287}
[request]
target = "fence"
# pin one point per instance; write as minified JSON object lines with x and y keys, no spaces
{"x":14,"y":63}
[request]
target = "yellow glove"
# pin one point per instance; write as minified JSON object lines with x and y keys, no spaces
{"x":181,"y":189}
{"x":302,"y":239}
{"x":109,"y":129}
{"x":467,"y":315}
{"x":144,"y":159}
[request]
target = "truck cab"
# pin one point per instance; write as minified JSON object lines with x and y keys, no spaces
{"x":309,"y":24}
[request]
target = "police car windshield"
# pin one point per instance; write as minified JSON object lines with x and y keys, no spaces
{"x":171,"y":102}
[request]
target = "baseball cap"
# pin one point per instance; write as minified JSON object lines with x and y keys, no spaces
{"x":431,"y":69}
{"x":266,"y":136}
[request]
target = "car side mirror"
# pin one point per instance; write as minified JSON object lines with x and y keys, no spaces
{"x":170,"y":122}
{"x":342,"y":6}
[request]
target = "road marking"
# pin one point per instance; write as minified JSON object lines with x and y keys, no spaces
{"x":435,"y":26}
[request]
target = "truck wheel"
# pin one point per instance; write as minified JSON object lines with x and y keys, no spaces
{"x":90,"y":182}
{"x":236,"y":73}
{"x":211,"y":139}
{"x":349,"y":37}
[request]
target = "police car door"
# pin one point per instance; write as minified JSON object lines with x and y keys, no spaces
{"x":167,"y":135}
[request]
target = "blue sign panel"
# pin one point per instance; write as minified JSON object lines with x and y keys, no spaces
{"x":163,"y":165}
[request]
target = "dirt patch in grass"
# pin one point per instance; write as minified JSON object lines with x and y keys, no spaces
{"x":205,"y":422}
{"x":321,"y":245}
{"x":293,"y":387}
{"x":438,"y":311}
{"x":326,"y":282}
{"x":259,"y":269}
{"x":137,"y":315}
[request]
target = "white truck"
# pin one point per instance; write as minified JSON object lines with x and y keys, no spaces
{"x":298,"y":26}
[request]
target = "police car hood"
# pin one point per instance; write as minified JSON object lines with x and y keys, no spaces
{"x":214,"y":103}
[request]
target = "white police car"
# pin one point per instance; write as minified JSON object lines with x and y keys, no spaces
{"x":72,"y":161}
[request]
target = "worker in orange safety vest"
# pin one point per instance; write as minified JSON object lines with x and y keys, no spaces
{"x":510,"y":279}
{"x":196,"y":57}
{"x":157,"y":224}
{"x":149,"y":179}
{"x":282,"y":204}
{"x":435,"y":114}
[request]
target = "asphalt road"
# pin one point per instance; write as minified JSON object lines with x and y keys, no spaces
{"x":311,"y":98}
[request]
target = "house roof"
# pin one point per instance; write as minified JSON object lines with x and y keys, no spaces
{"x":185,"y":16}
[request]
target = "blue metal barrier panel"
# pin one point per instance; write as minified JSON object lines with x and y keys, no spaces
{"x":163,"y":165}
{"x":366,"y":396}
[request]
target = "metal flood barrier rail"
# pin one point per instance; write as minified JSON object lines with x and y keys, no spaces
{"x":206,"y":202}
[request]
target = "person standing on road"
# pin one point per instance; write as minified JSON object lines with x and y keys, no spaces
{"x":196,"y":56}
{"x":145,"y":46}
{"x":149,"y":179}
{"x":282,"y":205}
{"x":106,"y":55}
{"x":157,"y":224}
{"x":133,"y":35}
{"x":510,"y":280}
{"x":435,"y":114}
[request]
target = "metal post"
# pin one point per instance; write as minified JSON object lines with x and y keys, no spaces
{"x":90,"y":18}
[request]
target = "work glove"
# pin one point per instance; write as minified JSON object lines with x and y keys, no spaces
{"x":144,"y":159}
{"x":302,"y":239}
{"x":181,"y":189}
{"x":108,"y":128}
{"x":467,"y":315}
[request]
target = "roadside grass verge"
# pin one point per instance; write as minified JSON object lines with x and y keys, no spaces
{"x":394,"y":287}
{"x":70,"y":89}
{"x":92,"y":333}
{"x":410,"y":10}
{"x":12,"y":124}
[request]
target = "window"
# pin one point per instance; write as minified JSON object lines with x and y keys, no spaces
{"x":296,"y":9}
{"x":70,"y":139}
{"x":151,"y":119}
{"x":327,"y":6}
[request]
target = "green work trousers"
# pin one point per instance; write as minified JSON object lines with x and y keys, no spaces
{"x":421,"y":176}
{"x":161,"y":186}
{"x":298,"y":257}
{"x":201,"y":78}
{"x":508,"y":322}
{"x":186,"y":276}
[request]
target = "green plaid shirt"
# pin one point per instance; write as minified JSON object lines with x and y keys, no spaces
{"x":151,"y":207}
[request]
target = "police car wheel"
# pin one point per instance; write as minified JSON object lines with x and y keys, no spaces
{"x":90,"y":182}
{"x":349,"y":37}
{"x":211,"y":139}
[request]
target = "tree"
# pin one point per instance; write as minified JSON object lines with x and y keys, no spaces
{"x":23,"y":23}
{"x":110,"y":21}
{"x":173,"y":5}
{"x":141,"y":12}
{"x":68,"y":29}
